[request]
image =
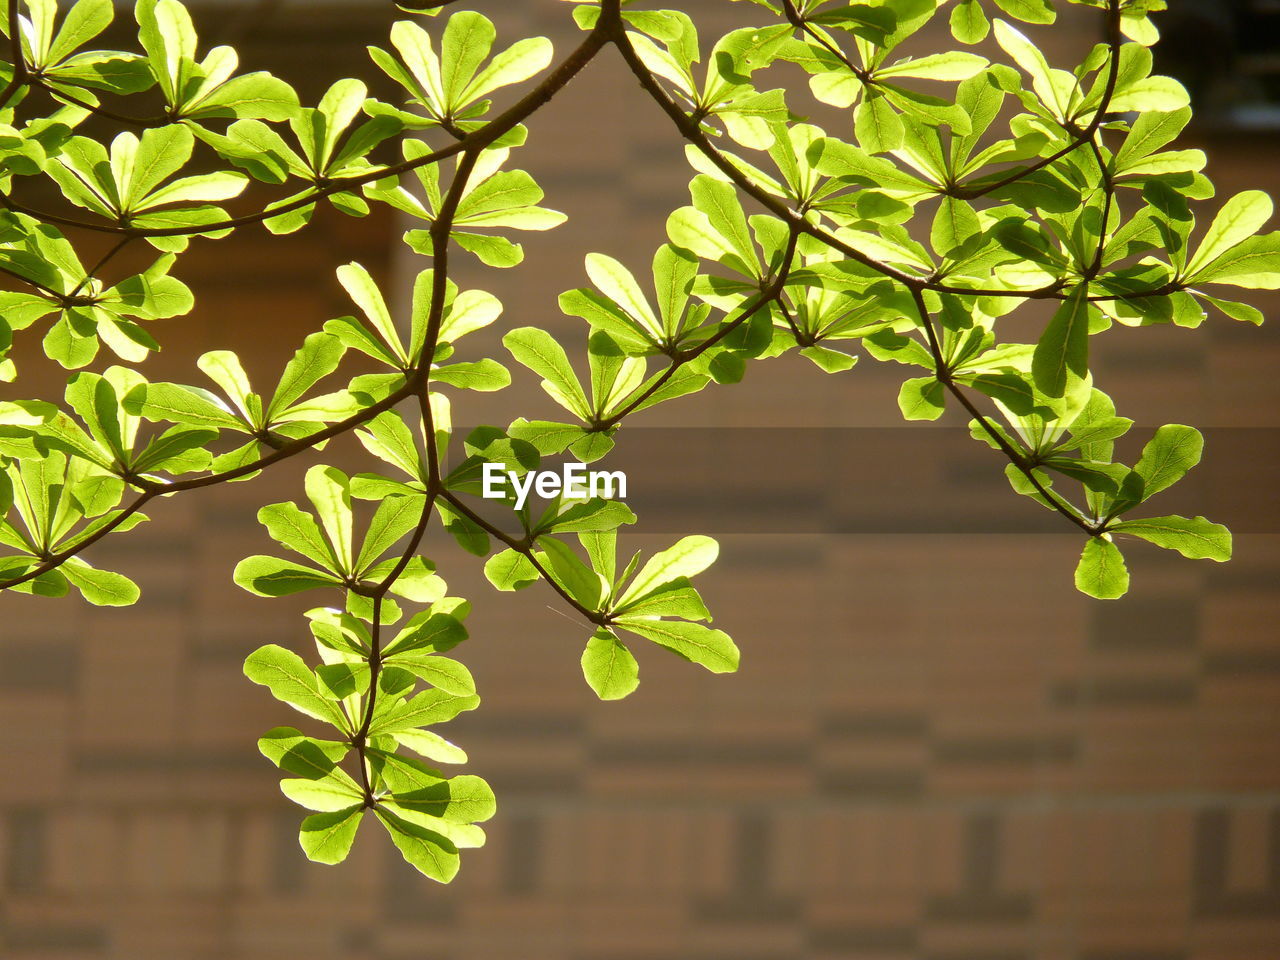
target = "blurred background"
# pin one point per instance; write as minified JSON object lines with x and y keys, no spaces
{"x":935,"y":747}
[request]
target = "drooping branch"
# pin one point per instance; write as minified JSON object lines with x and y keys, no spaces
{"x":1026,"y":467}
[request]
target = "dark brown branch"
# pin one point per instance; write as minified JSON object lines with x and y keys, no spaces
{"x":917,"y":285}
{"x":141,"y":123}
{"x":97,"y":267}
{"x":36,"y":284}
{"x":1016,"y":457}
{"x":360,"y":740}
{"x":21,"y":73}
{"x":692,"y":131}
{"x":55,"y":560}
{"x":523,"y":546}
{"x":796,"y":20}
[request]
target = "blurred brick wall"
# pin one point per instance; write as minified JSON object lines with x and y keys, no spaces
{"x":934,"y":749}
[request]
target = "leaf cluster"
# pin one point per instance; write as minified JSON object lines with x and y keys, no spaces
{"x":956,"y":191}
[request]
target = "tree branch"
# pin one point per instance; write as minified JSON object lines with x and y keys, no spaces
{"x":1016,"y":457}
{"x":20,"y":70}
{"x":524,"y":547}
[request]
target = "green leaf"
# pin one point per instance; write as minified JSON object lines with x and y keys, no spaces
{"x":828,"y":360}
{"x":394,"y":517}
{"x":1239,"y":219}
{"x":1027,"y":56}
{"x":249,"y":96}
{"x":297,"y":530}
{"x":709,"y":648}
{"x":617,"y":283}
{"x":1029,"y":11}
{"x":448,"y":675}
{"x":467,"y":40}
{"x":181,"y":404}
{"x":431,"y":745}
{"x":1148,"y":133}
{"x":1234,"y":310}
{"x":951,"y":66}
{"x":360,"y":286}
{"x":537,"y":350}
{"x":585,"y":516}
{"x":330,"y":491}
{"x":1254,"y":263}
{"x":674,"y":599}
{"x":922,"y":398}
{"x":484,"y":375}
{"x":510,"y":570}
{"x":431,"y":853}
{"x":290,"y":680}
{"x":433,"y":632}
{"x":1195,"y":538}
{"x":1061,"y":359}
{"x":417,"y":581}
{"x":968,"y":23}
{"x":602,"y":551}
{"x":686,"y":558}
{"x":580,"y":581}
{"x":1162,"y":94}
{"x":422,"y":790}
{"x":327,"y":837}
{"x":954,"y":223}
{"x":609,"y":667}
{"x":301,"y":755}
{"x":429,"y":707}
{"x":100,"y":587}
{"x":877,"y":125}
{"x":1166,"y":458}
{"x":317,"y":358}
{"x":177,"y":450}
{"x":492,"y":251}
{"x":1101,"y":572}
{"x":718,"y":202}
{"x":223,"y":368}
{"x":546,"y":436}
{"x":329,"y":794}
{"x":273,"y":577}
{"x":67,"y":345}
{"x":517,"y":63}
